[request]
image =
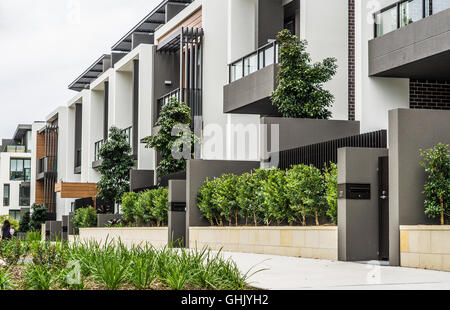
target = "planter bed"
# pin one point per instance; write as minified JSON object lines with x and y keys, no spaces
{"x":129,"y":236}
{"x":307,"y":242}
{"x":426,"y":247}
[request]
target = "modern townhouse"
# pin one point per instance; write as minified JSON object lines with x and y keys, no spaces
{"x":15,"y":172}
{"x":221,"y":58}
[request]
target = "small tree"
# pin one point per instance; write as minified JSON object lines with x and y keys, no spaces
{"x":160,"y":204}
{"x":115,"y":168}
{"x":129,"y":207}
{"x":300,"y":92}
{"x":24,"y":224}
{"x":174,"y":115}
{"x":295,"y":194}
{"x":38,"y":217}
{"x":331,"y":185}
{"x":436,"y":162}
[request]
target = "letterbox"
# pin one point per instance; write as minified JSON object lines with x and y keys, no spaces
{"x":354,"y":191}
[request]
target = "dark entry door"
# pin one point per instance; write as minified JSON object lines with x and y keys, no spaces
{"x":383,"y":194}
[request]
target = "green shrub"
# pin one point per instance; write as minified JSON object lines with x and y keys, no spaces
{"x":275,"y":203}
{"x":225,"y":197}
{"x":206,"y":203}
{"x":148,"y":207}
{"x":85,"y":218}
{"x":38,"y":217}
{"x":436,"y":162}
{"x":331,"y":185}
{"x":24,"y":224}
{"x":14,"y":223}
{"x":38,"y":277}
{"x":5,"y":279}
{"x":33,"y":236}
{"x":129,"y":207}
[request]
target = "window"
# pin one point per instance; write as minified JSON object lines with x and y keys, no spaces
{"x":14,"y":215}
{"x":24,"y":196}
{"x":6,"y":190}
{"x":410,"y":12}
{"x":440,"y":5}
{"x":20,"y":169}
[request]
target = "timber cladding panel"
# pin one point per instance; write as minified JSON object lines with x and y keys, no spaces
{"x":192,"y":21}
{"x":40,"y":145}
{"x":39,"y":192}
{"x":76,"y":190}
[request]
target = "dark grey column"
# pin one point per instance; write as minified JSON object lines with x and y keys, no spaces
{"x":105,"y":111}
{"x":135,"y":108}
{"x":53,"y":230}
{"x":177,"y":213}
{"x":78,"y":135}
{"x":358,"y":219}
{"x":410,"y":131}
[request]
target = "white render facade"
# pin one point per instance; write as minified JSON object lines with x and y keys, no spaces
{"x":231,"y":30}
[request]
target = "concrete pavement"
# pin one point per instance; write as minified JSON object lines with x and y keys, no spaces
{"x":291,"y":273}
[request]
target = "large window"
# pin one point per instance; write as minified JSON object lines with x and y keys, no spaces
{"x":6,"y":191}
{"x":20,"y":169}
{"x":14,"y":215}
{"x":405,"y":12}
{"x":24,"y":196}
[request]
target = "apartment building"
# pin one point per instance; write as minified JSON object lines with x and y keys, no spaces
{"x":221,"y":58}
{"x":15,"y":172}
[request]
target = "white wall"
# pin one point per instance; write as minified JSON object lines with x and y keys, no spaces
{"x":5,"y":179}
{"x":324,"y":24}
{"x":374,"y":96}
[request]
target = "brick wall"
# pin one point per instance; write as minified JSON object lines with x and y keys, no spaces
{"x":429,"y":94}
{"x":351,"y":59}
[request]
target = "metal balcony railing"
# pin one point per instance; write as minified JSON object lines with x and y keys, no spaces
{"x":78,"y":158}
{"x":405,"y":12}
{"x":257,"y":60}
{"x":192,"y":97}
{"x":129,"y":133}
{"x":97,"y":146}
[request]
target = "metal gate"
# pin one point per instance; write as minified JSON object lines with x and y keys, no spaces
{"x":383,"y":194}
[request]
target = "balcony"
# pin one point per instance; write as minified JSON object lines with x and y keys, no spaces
{"x":77,"y":169}
{"x":192,"y":97}
{"x":253,"y":78}
{"x":412,"y":40}
{"x":97,"y":160}
{"x":46,"y":165}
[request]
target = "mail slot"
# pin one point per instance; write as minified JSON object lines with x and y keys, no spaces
{"x":354,"y":191}
{"x":177,"y":207}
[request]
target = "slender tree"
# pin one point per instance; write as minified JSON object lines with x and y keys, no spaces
{"x":300,"y":92}
{"x":115,"y":168}
{"x":436,"y":162}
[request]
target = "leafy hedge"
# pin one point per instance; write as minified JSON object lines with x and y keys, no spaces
{"x":146,"y":208}
{"x":270,"y":197}
{"x":85,"y":218}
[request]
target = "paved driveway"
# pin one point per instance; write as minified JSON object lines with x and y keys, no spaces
{"x":290,"y":273}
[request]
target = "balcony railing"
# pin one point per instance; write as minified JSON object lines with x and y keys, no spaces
{"x":161,"y":102}
{"x":97,"y":146}
{"x":192,"y":97}
{"x":129,"y":133}
{"x":257,"y":60}
{"x":405,"y":12}
{"x":16,"y":149}
{"x":47,"y":164}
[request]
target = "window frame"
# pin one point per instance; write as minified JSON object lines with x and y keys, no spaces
{"x":9,"y":195}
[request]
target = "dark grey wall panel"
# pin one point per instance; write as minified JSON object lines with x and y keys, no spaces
{"x":135,"y":108}
{"x":141,"y":38}
{"x":177,"y":216}
{"x":296,"y":132}
{"x":78,"y":133}
{"x":200,"y":170}
{"x":410,"y":131}
{"x":270,"y":20}
{"x":166,"y":68}
{"x":141,"y":179}
{"x":358,"y":231}
{"x":251,"y":94}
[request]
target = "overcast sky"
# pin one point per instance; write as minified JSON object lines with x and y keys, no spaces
{"x":46,"y":44}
